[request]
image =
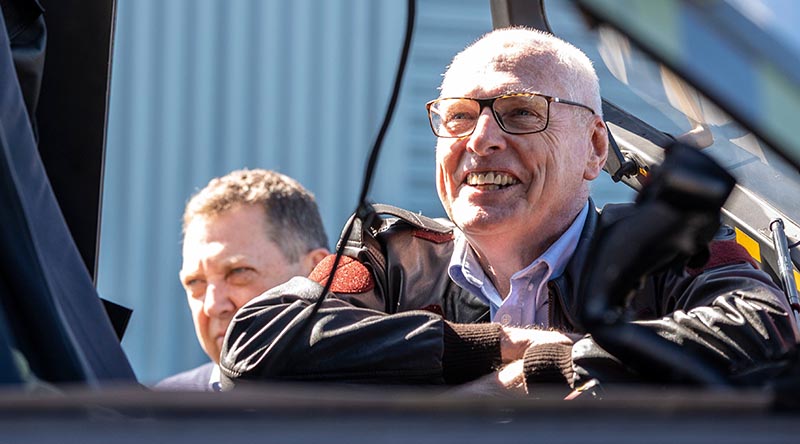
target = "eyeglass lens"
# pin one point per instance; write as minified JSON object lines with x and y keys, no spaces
{"x":515,"y":114}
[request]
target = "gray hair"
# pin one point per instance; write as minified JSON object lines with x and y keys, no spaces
{"x":293,"y":218}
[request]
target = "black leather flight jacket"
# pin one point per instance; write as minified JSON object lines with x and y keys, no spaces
{"x":412,"y":325}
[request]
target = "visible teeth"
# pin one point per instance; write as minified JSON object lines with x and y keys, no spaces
{"x":490,"y":178}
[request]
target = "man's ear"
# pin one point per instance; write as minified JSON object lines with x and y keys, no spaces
{"x":598,"y":151}
{"x":313,"y":257}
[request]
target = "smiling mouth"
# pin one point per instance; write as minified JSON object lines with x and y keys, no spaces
{"x":491,"y":180}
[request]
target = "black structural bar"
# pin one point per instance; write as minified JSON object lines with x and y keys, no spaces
{"x":72,"y":112}
{"x":520,"y":13}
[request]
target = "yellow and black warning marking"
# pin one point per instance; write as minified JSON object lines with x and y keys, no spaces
{"x":749,"y":244}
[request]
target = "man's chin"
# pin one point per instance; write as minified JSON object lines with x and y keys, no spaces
{"x":478,"y":223}
{"x":213,"y":350}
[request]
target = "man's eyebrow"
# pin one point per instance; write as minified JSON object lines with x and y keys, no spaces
{"x":234,"y":260}
{"x":525,"y":90}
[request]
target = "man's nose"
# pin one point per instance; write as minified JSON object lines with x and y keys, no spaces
{"x":216,"y":302}
{"x":487,"y":136}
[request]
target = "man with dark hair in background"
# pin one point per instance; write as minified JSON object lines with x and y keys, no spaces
{"x":243,"y":234}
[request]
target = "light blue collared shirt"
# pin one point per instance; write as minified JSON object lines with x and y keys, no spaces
{"x":213,"y":381}
{"x":527,"y":302}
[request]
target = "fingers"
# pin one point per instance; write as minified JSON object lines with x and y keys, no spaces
{"x":516,"y":340}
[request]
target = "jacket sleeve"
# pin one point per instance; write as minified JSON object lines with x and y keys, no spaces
{"x":350,"y":339}
{"x":732,"y":317}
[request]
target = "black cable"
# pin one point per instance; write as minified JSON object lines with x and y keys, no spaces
{"x":364,"y":209}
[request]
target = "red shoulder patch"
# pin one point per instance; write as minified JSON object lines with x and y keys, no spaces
{"x":351,"y":276}
{"x":438,"y":238}
{"x":724,"y":252}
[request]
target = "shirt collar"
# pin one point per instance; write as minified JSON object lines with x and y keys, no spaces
{"x":466,"y":271}
{"x":213,"y":381}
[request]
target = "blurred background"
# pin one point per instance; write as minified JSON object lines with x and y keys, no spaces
{"x":202,"y":87}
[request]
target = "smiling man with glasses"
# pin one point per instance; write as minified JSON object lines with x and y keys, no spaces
{"x":493,"y":302}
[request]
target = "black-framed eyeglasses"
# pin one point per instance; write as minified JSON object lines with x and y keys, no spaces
{"x":518,"y":113}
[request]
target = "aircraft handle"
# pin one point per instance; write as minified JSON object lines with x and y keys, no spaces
{"x":785,"y":266}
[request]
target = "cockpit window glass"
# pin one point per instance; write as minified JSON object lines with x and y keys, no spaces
{"x":777,"y":17}
{"x":634,"y":82}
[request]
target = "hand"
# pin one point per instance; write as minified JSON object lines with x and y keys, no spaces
{"x":512,"y":376}
{"x":516,"y":340}
{"x":508,"y":381}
